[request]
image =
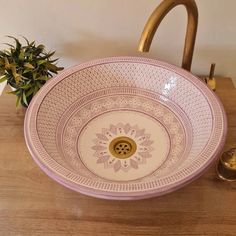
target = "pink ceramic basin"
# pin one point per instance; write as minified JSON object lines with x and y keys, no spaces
{"x":125,"y":128}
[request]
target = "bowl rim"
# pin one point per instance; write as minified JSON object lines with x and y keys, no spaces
{"x":113,"y":194}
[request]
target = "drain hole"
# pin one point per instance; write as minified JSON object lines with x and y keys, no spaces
{"x":122,"y":147}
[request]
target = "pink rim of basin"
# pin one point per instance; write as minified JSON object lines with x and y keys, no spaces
{"x":179,"y":94}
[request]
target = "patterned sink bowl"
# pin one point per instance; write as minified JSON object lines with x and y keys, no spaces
{"x":125,"y":128}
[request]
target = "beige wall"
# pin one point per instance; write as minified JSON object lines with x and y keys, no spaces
{"x":81,"y":30}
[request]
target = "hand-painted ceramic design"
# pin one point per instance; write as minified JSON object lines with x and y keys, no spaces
{"x":122,"y":147}
{"x":125,"y":128}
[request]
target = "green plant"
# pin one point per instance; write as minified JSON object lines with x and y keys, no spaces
{"x":26,"y":68}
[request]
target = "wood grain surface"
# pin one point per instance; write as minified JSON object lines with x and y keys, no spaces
{"x":32,"y":204}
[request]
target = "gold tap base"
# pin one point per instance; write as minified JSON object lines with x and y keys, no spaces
{"x":211,"y":83}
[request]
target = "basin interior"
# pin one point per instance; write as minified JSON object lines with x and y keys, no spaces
{"x":125,"y":119}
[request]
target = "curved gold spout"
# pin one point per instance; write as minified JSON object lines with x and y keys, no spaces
{"x":157,"y":16}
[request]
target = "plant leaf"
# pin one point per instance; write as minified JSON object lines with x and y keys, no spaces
{"x":26,"y":86}
{"x":10,"y":45}
{"x":21,"y":55}
{"x":29,"y":92}
{"x":18,"y":44}
{"x":7,"y":53}
{"x":28,"y":65}
{"x":2,"y":79}
{"x":54,"y":60}
{"x":35,"y":90}
{"x":34,"y":74}
{"x":18,"y":99}
{"x":16,"y":76}
{"x":27,"y":41}
{"x":39,"y":84}
{"x":48,"y":55}
{"x":2,"y":71}
{"x":31,"y":44}
{"x":16,"y":92}
{"x":24,"y":99}
{"x":7,"y":64}
{"x":40,"y":62}
{"x":53,"y":68}
{"x":2,"y":62}
{"x":31,"y":56}
{"x":44,"y":78}
{"x":27,"y":70}
{"x":41,"y":46}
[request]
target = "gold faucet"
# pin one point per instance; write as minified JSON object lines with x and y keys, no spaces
{"x":157,"y":16}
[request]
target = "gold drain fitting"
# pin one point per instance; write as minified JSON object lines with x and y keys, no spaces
{"x":122,"y":147}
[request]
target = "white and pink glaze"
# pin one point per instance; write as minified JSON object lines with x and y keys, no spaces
{"x":177,"y":123}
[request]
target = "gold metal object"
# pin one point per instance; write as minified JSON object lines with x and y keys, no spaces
{"x":229,"y":159}
{"x":157,"y":16}
{"x":211,"y":82}
{"x":122,"y":147}
{"x":226,"y":167}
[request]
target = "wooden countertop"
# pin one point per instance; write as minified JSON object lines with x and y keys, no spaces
{"x":33,"y":204}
